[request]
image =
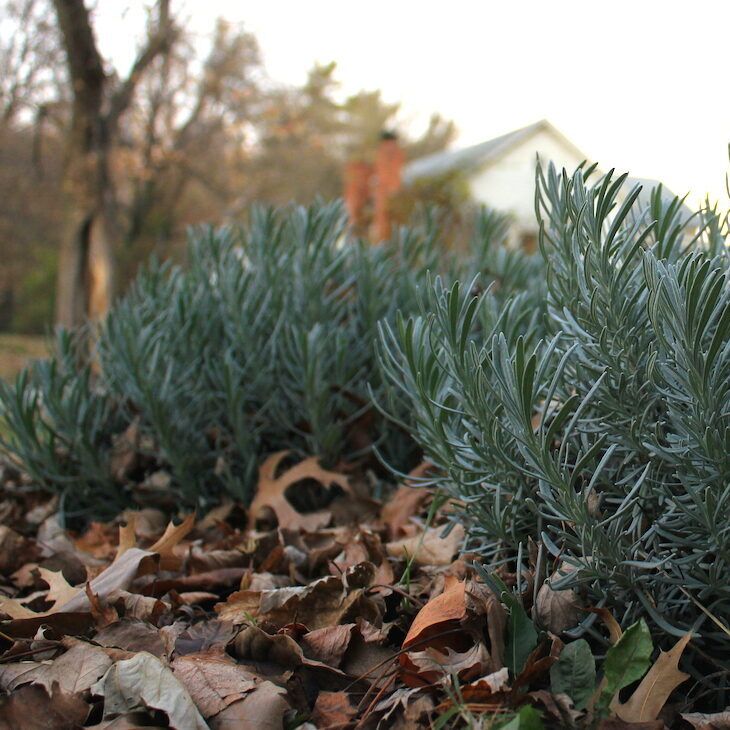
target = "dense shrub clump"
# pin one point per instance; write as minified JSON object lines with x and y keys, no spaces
{"x":607,"y":440}
{"x":266,"y":340}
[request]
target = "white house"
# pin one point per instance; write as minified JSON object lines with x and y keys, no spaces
{"x":501,"y":172}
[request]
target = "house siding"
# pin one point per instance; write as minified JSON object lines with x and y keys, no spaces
{"x":508,"y":184}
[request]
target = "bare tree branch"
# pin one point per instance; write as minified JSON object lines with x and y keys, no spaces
{"x":158,"y":42}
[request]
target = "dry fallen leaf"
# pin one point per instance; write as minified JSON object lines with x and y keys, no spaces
{"x":132,"y":635}
{"x":557,"y":610}
{"x":659,"y":682}
{"x":329,"y":644}
{"x":332,"y":709}
{"x":712,"y":721}
{"x":614,"y":629}
{"x":70,"y":599}
{"x":428,"y":548}
{"x":127,"y":535}
{"x":170,"y":539}
{"x":145,"y":680}
{"x":324,"y":602}
{"x":485,"y":687}
{"x":261,"y":709}
{"x":271,"y":492}
{"x":445,"y":611}
{"x":31,"y":708}
{"x":213,"y":680}
{"x":75,"y":670}
{"x":433,"y":666}
{"x":406,"y":501}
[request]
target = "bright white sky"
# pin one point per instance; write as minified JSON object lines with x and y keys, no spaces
{"x":640,"y":85}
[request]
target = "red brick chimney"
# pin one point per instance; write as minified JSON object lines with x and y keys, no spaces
{"x":387,"y":179}
{"x":358,"y":175}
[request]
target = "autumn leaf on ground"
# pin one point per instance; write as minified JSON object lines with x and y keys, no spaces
{"x":170,"y":539}
{"x":441,"y":627}
{"x":709,"y":721}
{"x":271,"y":492}
{"x":33,"y":708}
{"x":406,"y":501}
{"x":145,"y":681}
{"x":213,"y":680}
{"x":118,"y":576}
{"x":660,"y":681}
{"x":429,"y":547}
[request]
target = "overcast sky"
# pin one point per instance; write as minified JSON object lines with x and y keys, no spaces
{"x":640,"y":85}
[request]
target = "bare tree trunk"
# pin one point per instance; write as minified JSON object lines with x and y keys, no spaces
{"x":85,"y":285}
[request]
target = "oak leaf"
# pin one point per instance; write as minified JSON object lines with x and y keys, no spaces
{"x":271,"y":492}
{"x":659,"y":682}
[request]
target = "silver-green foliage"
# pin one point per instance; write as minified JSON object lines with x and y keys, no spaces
{"x":606,"y":436}
{"x":265,"y":340}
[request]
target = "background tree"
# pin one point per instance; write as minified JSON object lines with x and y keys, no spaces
{"x":97,"y":171}
{"x":86,"y":259}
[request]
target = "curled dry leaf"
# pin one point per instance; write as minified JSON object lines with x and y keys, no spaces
{"x":144,"y":680}
{"x":430,"y":547}
{"x":171,"y":538}
{"x":271,"y":492}
{"x":70,"y":599}
{"x":253,"y":644}
{"x":324,"y":602}
{"x":405,"y":708}
{"x":329,"y":644}
{"x":444,"y":612}
{"x":557,"y":610}
{"x":484,"y":688}
{"x":432,"y":665}
{"x":615,"y":631}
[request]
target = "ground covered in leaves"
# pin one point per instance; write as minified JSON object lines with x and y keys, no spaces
{"x":355,"y":614}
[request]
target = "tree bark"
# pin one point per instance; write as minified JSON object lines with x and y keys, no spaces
{"x":85,"y":284}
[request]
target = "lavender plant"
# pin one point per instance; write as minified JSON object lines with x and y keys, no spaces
{"x":265,"y":340}
{"x":604,"y":436}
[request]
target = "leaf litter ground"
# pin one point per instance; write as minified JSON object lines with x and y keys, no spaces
{"x":357,"y":615}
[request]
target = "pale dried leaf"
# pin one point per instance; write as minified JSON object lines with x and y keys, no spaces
{"x":659,"y":682}
{"x":557,"y":610}
{"x":127,"y":535}
{"x":172,"y":537}
{"x":428,"y":548}
{"x":433,"y":665}
{"x":118,"y":576}
{"x":144,"y":681}
{"x":712,"y":721}
{"x":262,"y":709}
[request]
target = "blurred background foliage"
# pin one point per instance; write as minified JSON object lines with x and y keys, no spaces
{"x":206,"y":133}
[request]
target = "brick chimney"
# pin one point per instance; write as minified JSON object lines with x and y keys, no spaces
{"x":387,"y":181}
{"x":358,"y":180}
